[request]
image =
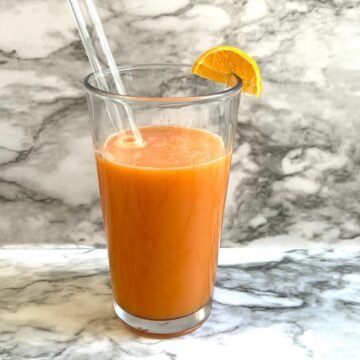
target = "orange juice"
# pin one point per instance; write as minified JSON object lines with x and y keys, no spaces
{"x":163,"y":206}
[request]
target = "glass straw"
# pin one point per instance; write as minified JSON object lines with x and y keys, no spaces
{"x":93,"y":53}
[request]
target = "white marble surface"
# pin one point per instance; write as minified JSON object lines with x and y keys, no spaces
{"x":297,"y":159}
{"x":56,"y":303}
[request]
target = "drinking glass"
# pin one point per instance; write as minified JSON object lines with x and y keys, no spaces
{"x":163,"y":223}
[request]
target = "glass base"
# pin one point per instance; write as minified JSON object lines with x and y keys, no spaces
{"x":164,"y":328}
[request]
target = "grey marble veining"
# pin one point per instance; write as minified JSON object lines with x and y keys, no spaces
{"x":296,"y":304}
{"x":297,"y":159}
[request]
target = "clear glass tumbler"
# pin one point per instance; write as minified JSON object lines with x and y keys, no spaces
{"x":163,"y":202}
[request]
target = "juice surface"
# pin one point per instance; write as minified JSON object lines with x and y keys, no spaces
{"x":163,"y":207}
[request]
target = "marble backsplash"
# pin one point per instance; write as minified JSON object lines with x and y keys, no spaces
{"x":296,"y":166}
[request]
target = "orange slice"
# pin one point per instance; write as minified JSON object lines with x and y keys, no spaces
{"x":220,"y":62}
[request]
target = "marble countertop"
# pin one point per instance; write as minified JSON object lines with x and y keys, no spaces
{"x":56,"y":303}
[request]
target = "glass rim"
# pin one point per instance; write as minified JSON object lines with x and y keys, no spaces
{"x":147,"y":99}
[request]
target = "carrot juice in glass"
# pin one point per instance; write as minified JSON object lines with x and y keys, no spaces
{"x":163,"y":200}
